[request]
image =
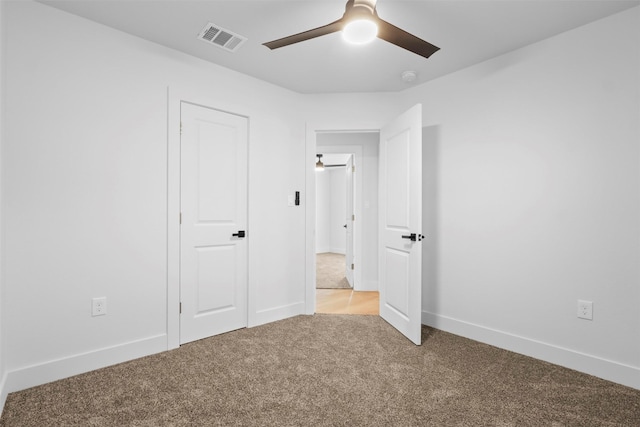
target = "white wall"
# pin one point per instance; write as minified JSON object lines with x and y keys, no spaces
{"x":3,"y":392}
{"x":532,"y":199}
{"x":84,"y":188}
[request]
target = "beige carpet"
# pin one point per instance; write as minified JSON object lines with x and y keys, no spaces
{"x":330,"y":271}
{"x":328,"y":370}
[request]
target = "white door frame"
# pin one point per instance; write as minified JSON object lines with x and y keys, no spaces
{"x":310,"y":215}
{"x":174,"y":97}
{"x":356,"y":151}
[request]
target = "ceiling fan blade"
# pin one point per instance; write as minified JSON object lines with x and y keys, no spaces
{"x":401,"y":38}
{"x":311,"y":34}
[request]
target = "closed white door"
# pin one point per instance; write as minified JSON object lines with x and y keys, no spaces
{"x":350,"y":262}
{"x":213,"y":239}
{"x":400,"y":249}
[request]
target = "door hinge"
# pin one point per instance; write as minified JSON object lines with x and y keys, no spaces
{"x":181,"y":128}
{"x":180,"y":308}
{"x":353,"y":266}
{"x":180,"y":218}
{"x":353,"y":168}
{"x":353,"y":217}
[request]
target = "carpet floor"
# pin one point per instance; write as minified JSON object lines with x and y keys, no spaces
{"x":330,"y":271}
{"x":328,"y":370}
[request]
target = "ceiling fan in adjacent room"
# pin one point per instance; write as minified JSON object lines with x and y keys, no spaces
{"x":320,"y":166}
{"x":360,"y":24}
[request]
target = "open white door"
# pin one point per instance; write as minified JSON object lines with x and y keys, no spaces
{"x":400,"y":250}
{"x":213,"y":204}
{"x":349,"y":258}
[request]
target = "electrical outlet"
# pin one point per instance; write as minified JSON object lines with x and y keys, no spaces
{"x":585,"y":309}
{"x":99,"y":306}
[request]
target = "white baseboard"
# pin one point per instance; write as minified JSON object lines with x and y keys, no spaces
{"x":3,"y":393}
{"x":340,"y":251}
{"x":367,"y":285}
{"x":278,"y":313}
{"x":592,"y":365}
{"x":54,"y":370}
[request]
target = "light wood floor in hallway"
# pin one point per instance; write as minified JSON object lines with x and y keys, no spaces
{"x":347,"y":301}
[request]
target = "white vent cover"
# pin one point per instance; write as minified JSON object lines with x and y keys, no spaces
{"x":218,"y":36}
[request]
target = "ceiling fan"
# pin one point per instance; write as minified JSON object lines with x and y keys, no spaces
{"x":361,"y":24}
{"x":321,"y":166}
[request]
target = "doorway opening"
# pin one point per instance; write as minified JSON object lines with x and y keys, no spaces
{"x":334,"y":221}
{"x":346,"y":223}
{"x":398,"y":250}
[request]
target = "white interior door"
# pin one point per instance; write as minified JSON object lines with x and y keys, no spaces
{"x":349,"y":258}
{"x":400,"y":252}
{"x":213,"y":203}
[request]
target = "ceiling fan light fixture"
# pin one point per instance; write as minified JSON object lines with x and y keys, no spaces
{"x":360,"y":31}
{"x":360,"y":24}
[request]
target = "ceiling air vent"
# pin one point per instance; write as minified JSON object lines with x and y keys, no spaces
{"x":220,"y":37}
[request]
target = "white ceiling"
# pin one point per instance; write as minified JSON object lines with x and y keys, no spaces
{"x":467,"y":31}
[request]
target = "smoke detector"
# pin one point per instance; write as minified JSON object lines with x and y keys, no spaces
{"x":409,"y":76}
{"x":220,"y":37}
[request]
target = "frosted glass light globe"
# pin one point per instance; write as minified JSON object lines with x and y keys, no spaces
{"x":360,"y":31}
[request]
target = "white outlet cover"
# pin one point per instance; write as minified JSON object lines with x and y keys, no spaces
{"x":99,"y":306}
{"x":585,"y":309}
